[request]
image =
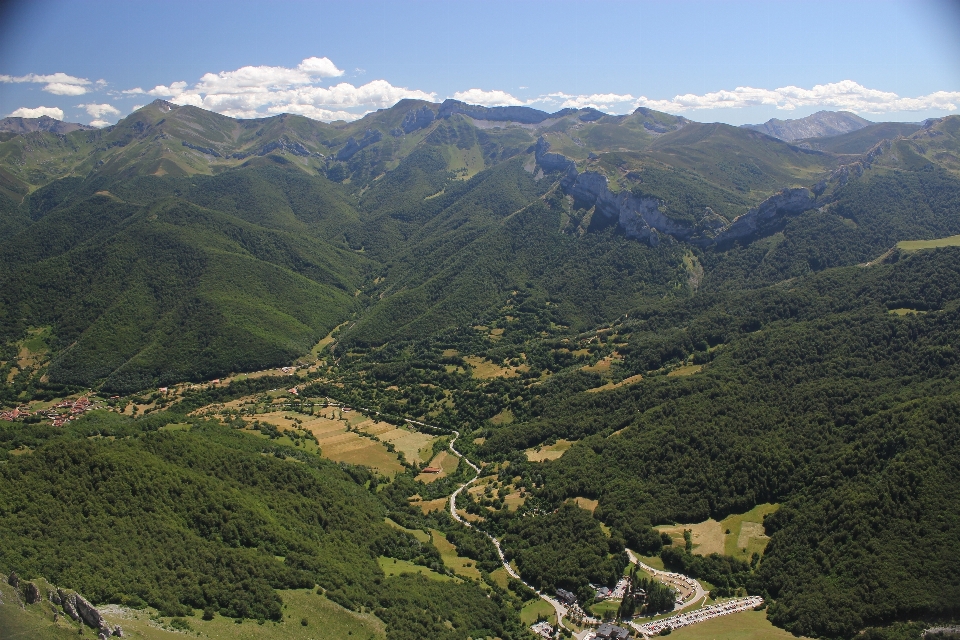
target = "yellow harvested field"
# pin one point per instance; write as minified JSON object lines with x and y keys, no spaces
{"x":916,"y":245}
{"x":414,"y":445}
{"x":485,"y":369}
{"x":686,"y":370}
{"x":549,"y":452}
{"x":586,"y":503}
{"x":747,"y":625}
{"x":336,"y":443}
{"x":707,"y":536}
{"x":710,"y":536}
{"x":431,"y":505}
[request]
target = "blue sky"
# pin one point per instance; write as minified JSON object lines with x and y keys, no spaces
{"x":737,"y":62}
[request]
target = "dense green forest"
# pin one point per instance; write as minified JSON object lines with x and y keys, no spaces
{"x":469,"y":282}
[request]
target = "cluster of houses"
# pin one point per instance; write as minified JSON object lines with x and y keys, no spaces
{"x":60,"y":413}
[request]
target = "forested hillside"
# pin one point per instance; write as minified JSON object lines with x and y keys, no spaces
{"x":631,"y":320}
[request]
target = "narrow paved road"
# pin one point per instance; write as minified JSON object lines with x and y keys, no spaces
{"x":698,"y":594}
{"x":559,"y":608}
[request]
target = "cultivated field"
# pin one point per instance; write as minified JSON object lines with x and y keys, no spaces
{"x":416,"y":446}
{"x":746,"y":535}
{"x":336,"y":443}
{"x":548,"y":452}
{"x":916,"y":245}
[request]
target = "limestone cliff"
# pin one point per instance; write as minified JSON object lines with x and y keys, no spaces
{"x":642,"y":218}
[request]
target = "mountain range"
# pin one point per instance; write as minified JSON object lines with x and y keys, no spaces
{"x":703,"y":319}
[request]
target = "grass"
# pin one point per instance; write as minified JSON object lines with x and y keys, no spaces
{"x":393,"y":567}
{"x":485,"y":369}
{"x":538,"y":607}
{"x":616,"y":385}
{"x":443,"y":460}
{"x":710,"y":536}
{"x":448,"y":553}
{"x":586,"y":503}
{"x":549,"y":452}
{"x":605,"y":606}
{"x":747,"y":625}
{"x":325,"y":621}
{"x":686,"y":370}
{"x":422,"y":536}
{"x":746,"y":532}
{"x":905,"y":312}
{"x":917,"y":245}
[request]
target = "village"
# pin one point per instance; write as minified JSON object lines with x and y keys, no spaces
{"x":60,"y":413}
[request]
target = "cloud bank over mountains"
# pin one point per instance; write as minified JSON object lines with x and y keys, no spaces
{"x":308,"y":89}
{"x":252,"y":92}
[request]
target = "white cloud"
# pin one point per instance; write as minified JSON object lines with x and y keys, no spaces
{"x":847,"y":95}
{"x":136,"y":107}
{"x":257,"y":91}
{"x":100,"y":123}
{"x":37,"y":112}
{"x":321,"y":67}
{"x":494,"y":98}
{"x":100,"y":110}
{"x":602,"y":101}
{"x":60,"y":84}
{"x":62,"y":89}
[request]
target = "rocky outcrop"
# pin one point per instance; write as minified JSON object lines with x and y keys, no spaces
{"x":641,"y":217}
{"x":769,"y":215}
{"x":206,"y":150}
{"x":552,"y":161}
{"x":69,"y":603}
{"x":13,"y":579}
{"x":31,"y":593}
{"x":417,"y":119}
{"x":370,"y":136}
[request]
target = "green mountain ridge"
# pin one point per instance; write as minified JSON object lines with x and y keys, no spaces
{"x":709,"y":318}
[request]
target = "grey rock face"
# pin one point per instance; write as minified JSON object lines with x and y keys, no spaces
{"x":768,"y":214}
{"x":13,"y":579}
{"x":31,"y":593}
{"x":69,"y":604}
{"x":552,"y":161}
{"x":638,"y":217}
{"x":350,"y":149}
{"x":89,"y":614}
{"x":641,"y":217}
{"x":417,"y":119}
